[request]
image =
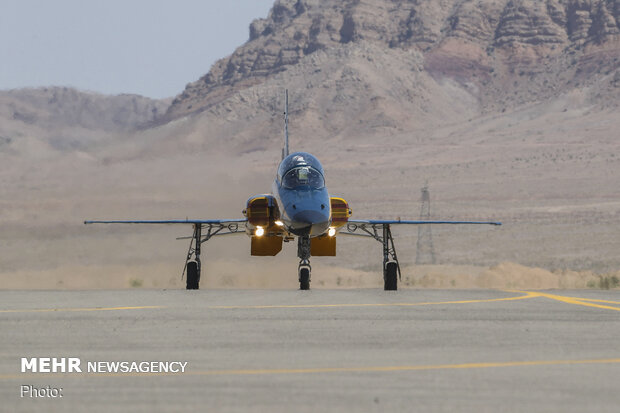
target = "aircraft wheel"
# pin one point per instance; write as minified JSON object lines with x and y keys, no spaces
{"x":192,"y":276}
{"x":391,"y":277}
{"x":304,"y":278}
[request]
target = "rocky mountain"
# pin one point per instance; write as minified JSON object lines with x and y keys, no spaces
{"x":503,"y":53}
{"x":355,"y":68}
{"x":56,"y":106}
{"x":66,"y":118}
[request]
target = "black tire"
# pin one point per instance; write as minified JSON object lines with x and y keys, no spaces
{"x":192,"y":277}
{"x":390,"y":277}
{"x":304,"y":279}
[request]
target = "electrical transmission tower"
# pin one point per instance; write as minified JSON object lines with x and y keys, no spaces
{"x":425,"y":252}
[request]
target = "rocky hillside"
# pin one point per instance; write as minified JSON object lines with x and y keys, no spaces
{"x":61,"y":106}
{"x":355,"y":68}
{"x":504,"y":53}
{"x":65,"y":118}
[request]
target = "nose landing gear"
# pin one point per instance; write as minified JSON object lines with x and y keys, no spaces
{"x":304,"y":270}
{"x":304,"y":276}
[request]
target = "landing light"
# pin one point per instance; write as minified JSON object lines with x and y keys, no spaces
{"x":331,"y":232}
{"x":259,"y":232}
{"x":279,"y":223}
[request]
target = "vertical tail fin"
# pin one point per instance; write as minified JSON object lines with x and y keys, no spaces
{"x":285,"y":149}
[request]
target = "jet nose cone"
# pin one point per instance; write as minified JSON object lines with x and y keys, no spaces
{"x":310,"y":222}
{"x":309,"y":217}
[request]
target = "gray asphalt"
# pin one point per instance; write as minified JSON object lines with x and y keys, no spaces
{"x":322,"y":350}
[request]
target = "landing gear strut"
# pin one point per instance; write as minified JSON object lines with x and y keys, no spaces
{"x":193,"y":266}
{"x":383,"y":234}
{"x":303,"y":252}
{"x":391,"y":268}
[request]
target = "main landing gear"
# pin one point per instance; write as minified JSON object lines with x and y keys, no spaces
{"x":383,"y":234}
{"x":391,"y":268}
{"x":192,"y":268}
{"x":304,"y":270}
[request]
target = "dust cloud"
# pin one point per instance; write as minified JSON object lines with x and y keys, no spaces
{"x":275,"y":274}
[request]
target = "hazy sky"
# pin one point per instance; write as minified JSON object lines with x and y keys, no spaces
{"x":149,"y":47}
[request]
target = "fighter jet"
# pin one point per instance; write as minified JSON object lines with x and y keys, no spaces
{"x":299,"y":207}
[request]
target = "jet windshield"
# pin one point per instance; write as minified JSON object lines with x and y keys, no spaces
{"x":303,"y":176}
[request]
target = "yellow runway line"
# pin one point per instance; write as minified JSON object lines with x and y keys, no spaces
{"x":53,"y":310}
{"x":572,"y":300}
{"x":405,"y":368}
{"x":318,"y":370}
{"x":228,"y":307}
{"x":596,"y":301}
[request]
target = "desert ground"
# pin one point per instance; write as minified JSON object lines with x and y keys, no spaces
{"x":557,"y":198}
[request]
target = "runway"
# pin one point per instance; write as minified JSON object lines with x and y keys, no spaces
{"x":318,"y":350}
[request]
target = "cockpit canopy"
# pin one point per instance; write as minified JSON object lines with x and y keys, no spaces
{"x":301,"y":169}
{"x":303,"y":176}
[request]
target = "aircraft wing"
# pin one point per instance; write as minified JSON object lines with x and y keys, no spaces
{"x":173,"y":221}
{"x":213,"y":227}
{"x":398,"y":221}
